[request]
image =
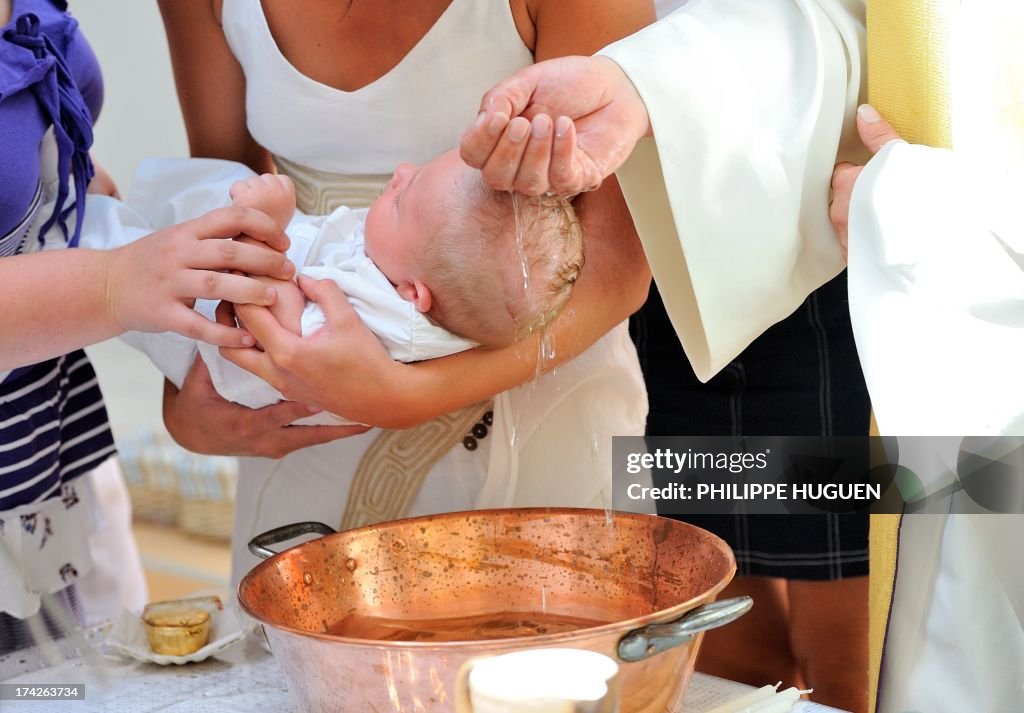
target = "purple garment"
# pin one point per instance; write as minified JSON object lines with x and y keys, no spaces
{"x":53,"y":427}
{"x":49,"y":76}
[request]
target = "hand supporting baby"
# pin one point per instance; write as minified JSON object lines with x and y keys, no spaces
{"x":273,"y":195}
{"x":266,"y":432}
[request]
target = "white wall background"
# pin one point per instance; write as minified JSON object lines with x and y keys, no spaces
{"x":140,"y":112}
{"x":140,"y":118}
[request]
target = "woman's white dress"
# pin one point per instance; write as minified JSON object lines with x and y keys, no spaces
{"x":550,"y":441}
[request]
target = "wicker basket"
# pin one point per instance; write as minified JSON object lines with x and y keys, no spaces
{"x":171,"y":486}
{"x":207,"y":489}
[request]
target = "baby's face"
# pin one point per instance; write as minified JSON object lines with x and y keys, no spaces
{"x":403,"y":220}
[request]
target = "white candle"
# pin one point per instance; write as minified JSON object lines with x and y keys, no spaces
{"x":781,"y":702}
{"x":767,"y":699}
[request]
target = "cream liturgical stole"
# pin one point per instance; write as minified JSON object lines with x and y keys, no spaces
{"x":937,"y":302}
{"x":749,"y":102}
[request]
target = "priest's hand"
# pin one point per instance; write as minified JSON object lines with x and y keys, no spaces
{"x":558,"y":126}
{"x":875,"y":132}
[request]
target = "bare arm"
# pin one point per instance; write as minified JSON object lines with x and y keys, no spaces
{"x":582,"y":27}
{"x":52,"y":317}
{"x":67,"y":313}
{"x":210,"y":83}
{"x":148,"y":285}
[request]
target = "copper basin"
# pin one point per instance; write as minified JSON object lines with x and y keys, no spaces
{"x":363,"y":620}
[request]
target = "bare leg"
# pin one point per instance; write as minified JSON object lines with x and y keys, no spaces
{"x":755,"y":648}
{"x":829,"y":632}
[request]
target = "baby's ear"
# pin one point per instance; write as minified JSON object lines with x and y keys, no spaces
{"x":417,"y":293}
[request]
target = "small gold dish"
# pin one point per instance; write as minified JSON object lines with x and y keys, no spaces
{"x":179,"y":627}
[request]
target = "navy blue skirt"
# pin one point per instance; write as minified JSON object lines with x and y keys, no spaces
{"x":802,"y":377}
{"x":53,"y":428}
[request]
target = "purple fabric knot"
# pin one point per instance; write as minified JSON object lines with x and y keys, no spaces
{"x":59,"y":97}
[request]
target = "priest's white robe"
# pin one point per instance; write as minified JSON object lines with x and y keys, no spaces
{"x":937,"y":302}
{"x":750,"y":102}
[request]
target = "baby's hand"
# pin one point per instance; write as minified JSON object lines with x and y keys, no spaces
{"x":270,"y":193}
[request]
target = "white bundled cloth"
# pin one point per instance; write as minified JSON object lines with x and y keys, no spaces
{"x":937,"y":302}
{"x":166,"y":192}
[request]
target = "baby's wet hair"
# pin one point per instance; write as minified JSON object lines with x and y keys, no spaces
{"x":553,"y":262}
{"x":505,"y":264}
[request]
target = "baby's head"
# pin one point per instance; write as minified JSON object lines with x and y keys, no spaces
{"x":449,"y":245}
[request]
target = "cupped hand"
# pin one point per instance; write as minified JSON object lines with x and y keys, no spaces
{"x":151,"y":284}
{"x":875,"y":132}
{"x":562,"y":126}
{"x":342,"y":367}
{"x":201,"y":421}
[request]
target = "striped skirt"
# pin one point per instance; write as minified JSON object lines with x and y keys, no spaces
{"x":53,"y":429}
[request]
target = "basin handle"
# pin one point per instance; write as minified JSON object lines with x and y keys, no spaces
{"x":652,"y":639}
{"x":259,"y":545}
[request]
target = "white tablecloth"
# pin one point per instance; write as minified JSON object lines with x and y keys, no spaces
{"x":246,"y":680}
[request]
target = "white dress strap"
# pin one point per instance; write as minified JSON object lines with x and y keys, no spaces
{"x":472,"y":46}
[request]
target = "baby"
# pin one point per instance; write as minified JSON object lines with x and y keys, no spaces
{"x":449,"y":246}
{"x":437,"y":264}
